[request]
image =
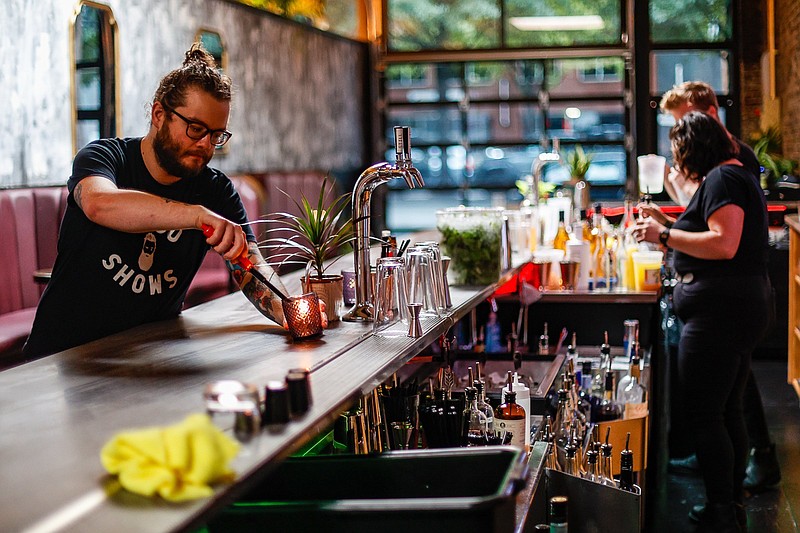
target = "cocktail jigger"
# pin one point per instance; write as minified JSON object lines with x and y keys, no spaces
{"x":414,"y":324}
{"x":446,"y":265}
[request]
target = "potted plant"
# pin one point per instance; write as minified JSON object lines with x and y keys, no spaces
{"x":767,"y":146}
{"x":314,"y":238}
{"x":578,"y":163}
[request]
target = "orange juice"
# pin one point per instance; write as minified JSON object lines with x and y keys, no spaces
{"x":647,"y":270}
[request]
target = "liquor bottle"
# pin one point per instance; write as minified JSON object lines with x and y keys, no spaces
{"x":544,"y":342}
{"x":606,"y":459}
{"x":563,"y":421}
{"x":598,"y":381}
{"x":597,"y":244}
{"x":627,"y":377}
{"x":510,"y":416}
{"x":626,"y":481}
{"x":551,"y":460}
{"x":572,"y":349}
{"x":592,"y":467}
{"x":608,"y":409}
{"x":474,"y":423}
{"x":562,"y":236}
{"x":483,"y":405}
{"x":628,"y":218}
{"x":559,"y":520}
{"x":633,"y":398}
{"x":631,"y":334}
{"x":573,"y":462}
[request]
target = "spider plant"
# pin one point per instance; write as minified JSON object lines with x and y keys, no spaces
{"x":314,"y":235}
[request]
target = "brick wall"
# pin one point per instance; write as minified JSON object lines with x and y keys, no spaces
{"x":787,"y":21}
{"x":751,"y":47}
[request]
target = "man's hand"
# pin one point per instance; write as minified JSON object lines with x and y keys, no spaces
{"x":227,"y":239}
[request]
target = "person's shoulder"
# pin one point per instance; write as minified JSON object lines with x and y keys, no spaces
{"x":119,"y":147}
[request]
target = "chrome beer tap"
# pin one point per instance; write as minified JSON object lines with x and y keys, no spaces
{"x":367,"y":182}
{"x":537,"y":169}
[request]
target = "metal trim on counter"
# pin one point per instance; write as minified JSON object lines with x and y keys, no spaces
{"x":59,"y":411}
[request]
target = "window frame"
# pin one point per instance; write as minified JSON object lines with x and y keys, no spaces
{"x":109,"y":114}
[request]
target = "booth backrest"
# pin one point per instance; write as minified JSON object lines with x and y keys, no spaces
{"x":29,"y":222}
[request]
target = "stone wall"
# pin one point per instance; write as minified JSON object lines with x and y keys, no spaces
{"x":300,"y":97}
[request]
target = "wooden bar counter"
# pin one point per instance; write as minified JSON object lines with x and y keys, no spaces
{"x":58,"y":412}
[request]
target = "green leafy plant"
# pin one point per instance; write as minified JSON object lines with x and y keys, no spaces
{"x":578,"y":162}
{"x":316,"y":234}
{"x":767,"y":145}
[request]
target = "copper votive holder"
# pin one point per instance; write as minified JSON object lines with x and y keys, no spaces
{"x":303,"y":315}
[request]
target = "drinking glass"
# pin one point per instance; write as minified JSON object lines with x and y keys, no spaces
{"x":391,"y":298}
{"x":422,"y":287}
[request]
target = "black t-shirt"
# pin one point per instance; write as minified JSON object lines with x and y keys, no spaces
{"x":105,"y":281}
{"x":727,"y":184}
{"x":748,"y":158}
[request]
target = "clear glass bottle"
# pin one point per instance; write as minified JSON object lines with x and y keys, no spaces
{"x":510,"y":416}
{"x":633,"y":397}
{"x":474,"y":428}
{"x":592,"y":466}
{"x":563,"y":420}
{"x":626,"y":379}
{"x":597,"y":244}
{"x":544,"y":342}
{"x":608,"y":409}
{"x":483,"y":405}
{"x":606,"y":462}
{"x":562,"y":236}
{"x":598,"y":381}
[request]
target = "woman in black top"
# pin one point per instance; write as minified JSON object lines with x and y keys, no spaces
{"x":720,"y":248}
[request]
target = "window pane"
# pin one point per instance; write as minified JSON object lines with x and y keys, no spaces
{"x":429,"y":125}
{"x":87,"y":34}
{"x":424,"y":82}
{"x":501,"y":122}
{"x":586,"y":121}
{"x":608,"y":167}
{"x":88,"y":88}
{"x":88,"y":131}
{"x":563,"y":23}
{"x":673,"y":67}
{"x":512,"y":79}
{"x":708,"y":21}
{"x":440,"y":166}
{"x":601,"y":76}
{"x":441,"y":24}
{"x":501,"y":167}
{"x":665,"y":123}
{"x":212,"y":42}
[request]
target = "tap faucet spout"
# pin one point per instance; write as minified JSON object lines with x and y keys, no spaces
{"x":367,"y":182}
{"x":537,"y":169}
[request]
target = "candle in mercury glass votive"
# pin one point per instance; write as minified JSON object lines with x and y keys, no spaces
{"x":303,"y":315}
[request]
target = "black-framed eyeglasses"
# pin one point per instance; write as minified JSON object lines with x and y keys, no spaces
{"x":196,"y":130}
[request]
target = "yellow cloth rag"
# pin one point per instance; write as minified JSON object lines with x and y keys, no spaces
{"x":177,"y":462}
